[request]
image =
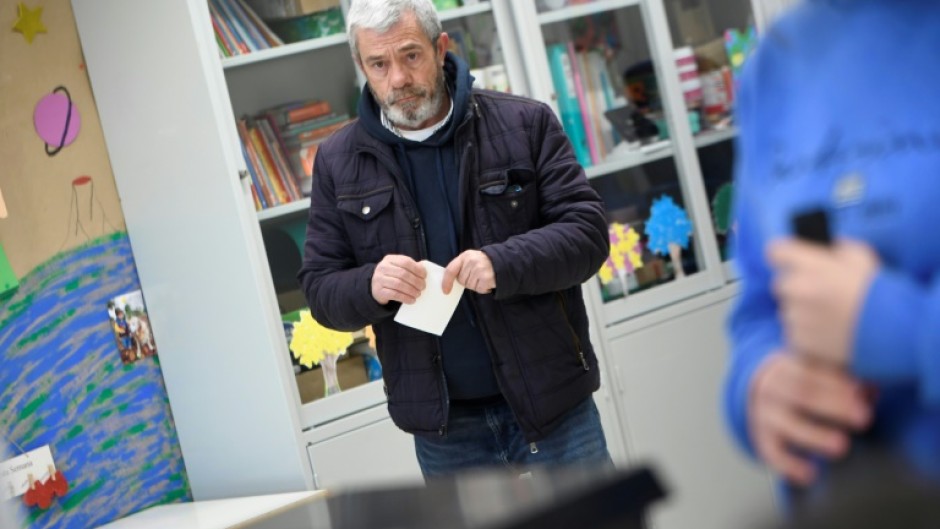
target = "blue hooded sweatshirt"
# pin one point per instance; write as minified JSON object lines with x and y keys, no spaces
{"x":432,"y":175}
{"x":840,"y":109}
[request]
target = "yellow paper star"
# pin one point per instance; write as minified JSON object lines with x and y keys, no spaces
{"x":29,"y":23}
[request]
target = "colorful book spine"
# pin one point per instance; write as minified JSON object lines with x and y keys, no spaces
{"x":256,"y":195}
{"x":251,"y":29}
{"x":583,"y":105}
{"x":280,"y":160}
{"x":230,"y":41}
{"x":563,"y":81}
{"x":269,"y":36}
{"x":229,"y":19}
{"x":268,"y":166}
{"x":254,"y":166}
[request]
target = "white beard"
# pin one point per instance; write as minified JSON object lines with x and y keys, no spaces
{"x":413,"y":114}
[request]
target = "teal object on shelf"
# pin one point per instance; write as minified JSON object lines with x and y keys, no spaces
{"x":695,"y":124}
{"x":446,"y":4}
{"x":312,"y":26}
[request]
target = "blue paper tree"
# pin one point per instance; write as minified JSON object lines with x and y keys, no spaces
{"x":668,"y":225}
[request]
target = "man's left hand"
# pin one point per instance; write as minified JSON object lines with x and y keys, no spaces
{"x":821,"y":291}
{"x":472,"y":269}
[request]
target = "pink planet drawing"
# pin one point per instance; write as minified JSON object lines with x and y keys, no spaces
{"x":57,"y":120}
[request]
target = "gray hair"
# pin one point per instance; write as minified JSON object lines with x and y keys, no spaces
{"x":381,"y":15}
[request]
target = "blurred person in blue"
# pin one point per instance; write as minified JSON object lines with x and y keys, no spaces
{"x":836,"y":349}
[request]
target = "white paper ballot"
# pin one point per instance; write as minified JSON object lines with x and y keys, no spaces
{"x":433,"y":309}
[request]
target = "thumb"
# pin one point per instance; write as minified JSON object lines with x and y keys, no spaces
{"x":450,"y":274}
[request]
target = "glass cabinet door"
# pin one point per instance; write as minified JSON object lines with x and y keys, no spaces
{"x":712,"y":39}
{"x":600,"y":65}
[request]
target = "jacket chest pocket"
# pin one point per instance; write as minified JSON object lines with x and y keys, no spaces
{"x":369,"y":223}
{"x":509,"y":199}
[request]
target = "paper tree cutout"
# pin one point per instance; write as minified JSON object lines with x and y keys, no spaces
{"x":721,"y":208}
{"x":312,"y":343}
{"x":668,"y":224}
{"x":29,"y":22}
{"x":668,"y":231}
{"x":626,"y":255}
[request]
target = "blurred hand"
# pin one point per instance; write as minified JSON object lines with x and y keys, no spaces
{"x":798,"y":407}
{"x":473,"y":270}
{"x":398,"y":278}
{"x":821,"y":292}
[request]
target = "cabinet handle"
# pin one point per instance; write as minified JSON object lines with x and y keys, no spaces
{"x":242,"y":174}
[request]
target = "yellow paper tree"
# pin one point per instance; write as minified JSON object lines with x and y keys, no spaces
{"x":626,"y":255}
{"x":312,"y":342}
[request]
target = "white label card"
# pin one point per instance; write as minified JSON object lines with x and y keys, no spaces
{"x":14,"y":473}
{"x":433,"y":309}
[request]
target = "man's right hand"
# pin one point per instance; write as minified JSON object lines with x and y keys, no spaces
{"x":398,"y":278}
{"x":797,"y":407}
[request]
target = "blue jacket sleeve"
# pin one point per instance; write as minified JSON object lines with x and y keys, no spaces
{"x":753,"y":327}
{"x":897,"y":338}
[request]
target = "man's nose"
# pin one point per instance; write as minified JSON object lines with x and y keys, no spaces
{"x":398,"y":76}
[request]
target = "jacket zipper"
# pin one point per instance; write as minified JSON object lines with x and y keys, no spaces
{"x":416,"y":225}
{"x":574,"y":335}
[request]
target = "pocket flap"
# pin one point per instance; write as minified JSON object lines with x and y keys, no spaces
{"x":367,"y":206}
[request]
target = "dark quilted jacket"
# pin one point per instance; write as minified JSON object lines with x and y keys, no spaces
{"x":526,"y":203}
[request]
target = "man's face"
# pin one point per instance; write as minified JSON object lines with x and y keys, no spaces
{"x":405,"y":72}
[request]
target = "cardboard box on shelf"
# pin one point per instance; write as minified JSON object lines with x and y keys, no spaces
{"x":350,"y":369}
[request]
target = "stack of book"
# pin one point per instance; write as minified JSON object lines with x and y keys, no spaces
{"x":238,"y":29}
{"x":279,"y":146}
{"x":585,"y":91}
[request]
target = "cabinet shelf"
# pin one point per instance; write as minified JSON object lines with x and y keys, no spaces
{"x":653,"y":152}
{"x":284,"y":51}
{"x":284,"y":210}
{"x":712,"y":137}
{"x":583,"y":10}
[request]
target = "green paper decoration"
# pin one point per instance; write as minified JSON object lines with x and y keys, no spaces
{"x":721,"y":208}
{"x":8,"y":281}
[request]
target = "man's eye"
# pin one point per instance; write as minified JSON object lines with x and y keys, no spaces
{"x":378,"y":65}
{"x":412,"y":57}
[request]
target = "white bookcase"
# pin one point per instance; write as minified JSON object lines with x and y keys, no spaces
{"x":210,"y":267}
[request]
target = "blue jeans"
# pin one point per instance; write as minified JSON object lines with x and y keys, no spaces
{"x":488,"y":436}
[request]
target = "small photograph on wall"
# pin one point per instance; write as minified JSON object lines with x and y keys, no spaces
{"x":131,"y":327}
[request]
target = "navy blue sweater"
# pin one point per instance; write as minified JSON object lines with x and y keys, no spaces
{"x":430,"y":169}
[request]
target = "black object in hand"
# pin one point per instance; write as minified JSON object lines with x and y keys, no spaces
{"x":813,"y":226}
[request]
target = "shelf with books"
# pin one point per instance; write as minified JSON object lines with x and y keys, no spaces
{"x":583,"y":10}
{"x":284,"y":51}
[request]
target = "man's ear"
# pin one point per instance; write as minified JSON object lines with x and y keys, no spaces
{"x":443,"y":44}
